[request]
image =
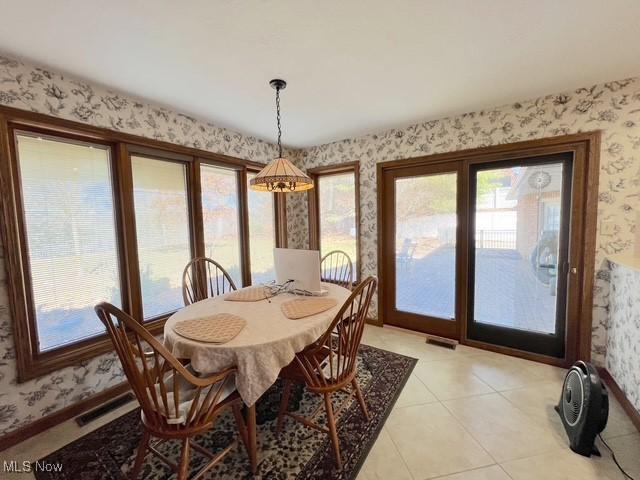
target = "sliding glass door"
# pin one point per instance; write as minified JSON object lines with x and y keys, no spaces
{"x":518,"y":249}
{"x":478,"y":250}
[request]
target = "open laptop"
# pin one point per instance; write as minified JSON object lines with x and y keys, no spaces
{"x":300,"y":266}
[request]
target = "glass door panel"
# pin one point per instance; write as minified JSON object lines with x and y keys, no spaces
{"x":425,"y":241}
{"x":517,"y":254}
{"x":421,"y":248}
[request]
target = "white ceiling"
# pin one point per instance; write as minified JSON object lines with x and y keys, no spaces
{"x":353,"y":66}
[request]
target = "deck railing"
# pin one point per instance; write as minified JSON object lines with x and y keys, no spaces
{"x":503,"y":239}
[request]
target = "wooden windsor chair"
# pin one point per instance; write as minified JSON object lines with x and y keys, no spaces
{"x":204,"y":278}
{"x":336,"y":267}
{"x":330,"y":364}
{"x":175,"y":404}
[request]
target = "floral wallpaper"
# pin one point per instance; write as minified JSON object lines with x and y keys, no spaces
{"x":39,"y":90}
{"x":623,"y":339}
{"x":612,"y":107}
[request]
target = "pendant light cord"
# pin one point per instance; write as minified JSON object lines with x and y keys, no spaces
{"x":279,"y":127}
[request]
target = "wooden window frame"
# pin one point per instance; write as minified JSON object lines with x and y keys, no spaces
{"x":31,"y":363}
{"x":279,"y":206}
{"x":29,"y":358}
{"x":313,"y":202}
{"x":279,"y":215}
{"x":192,"y":178}
{"x":243,"y":229}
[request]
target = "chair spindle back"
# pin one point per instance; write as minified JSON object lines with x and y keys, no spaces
{"x":204,"y":278}
{"x":160,"y":382}
{"x":336,"y":267}
{"x":331,"y":360}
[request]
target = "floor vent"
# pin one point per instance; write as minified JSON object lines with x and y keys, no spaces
{"x":442,"y":342}
{"x":82,"y":420}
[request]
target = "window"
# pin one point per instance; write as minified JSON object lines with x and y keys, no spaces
{"x":221,"y":218}
{"x":334,"y":211}
{"x":551,"y":215}
{"x":70,"y":229}
{"x":262,"y":234}
{"x":105,"y":216}
{"x":162,"y":230}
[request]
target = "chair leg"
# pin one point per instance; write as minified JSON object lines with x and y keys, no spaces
{"x":333,"y":431}
{"x":247,"y":434}
{"x":284,"y":406}
{"x":242,"y":427}
{"x":142,"y":452}
{"x":183,"y":468}
{"x":363,"y":405}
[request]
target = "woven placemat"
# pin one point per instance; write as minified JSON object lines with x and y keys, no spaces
{"x":305,"y":307}
{"x":218,"y":328}
{"x":250,"y":294}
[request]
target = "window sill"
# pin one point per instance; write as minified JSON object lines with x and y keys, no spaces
{"x":43,"y":363}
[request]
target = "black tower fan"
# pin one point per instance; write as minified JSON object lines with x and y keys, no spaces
{"x":583,"y":407}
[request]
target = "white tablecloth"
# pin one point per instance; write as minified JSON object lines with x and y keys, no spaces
{"x":267,"y":343}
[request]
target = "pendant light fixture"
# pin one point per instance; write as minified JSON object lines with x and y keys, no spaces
{"x":280,"y":175}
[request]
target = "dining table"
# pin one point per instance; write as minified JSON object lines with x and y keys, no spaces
{"x":267,"y":343}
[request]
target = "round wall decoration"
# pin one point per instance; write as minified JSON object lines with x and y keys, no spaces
{"x":539,"y":179}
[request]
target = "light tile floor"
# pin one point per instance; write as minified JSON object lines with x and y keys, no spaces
{"x":470,"y":414}
{"x":466,"y":414}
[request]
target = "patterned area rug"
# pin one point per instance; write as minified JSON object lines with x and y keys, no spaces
{"x":300,"y":452}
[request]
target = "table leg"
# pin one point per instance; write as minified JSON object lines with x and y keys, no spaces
{"x":251,"y":432}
